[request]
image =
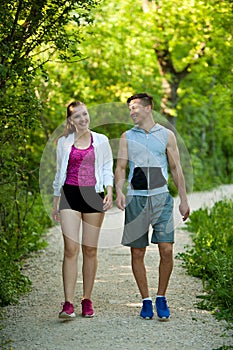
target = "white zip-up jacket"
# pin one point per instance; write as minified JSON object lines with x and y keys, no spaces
{"x":103,"y":162}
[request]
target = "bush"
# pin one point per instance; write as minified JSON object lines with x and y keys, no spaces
{"x":211,"y":256}
{"x":14,"y":283}
{"x":16,"y":245}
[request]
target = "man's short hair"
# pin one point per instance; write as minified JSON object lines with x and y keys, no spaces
{"x":146,"y":99}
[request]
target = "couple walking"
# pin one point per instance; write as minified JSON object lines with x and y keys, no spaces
{"x":83,"y":188}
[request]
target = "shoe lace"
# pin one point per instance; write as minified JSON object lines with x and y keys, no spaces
{"x":67,"y":306}
{"x":163,"y":303}
{"x":87,"y":304}
{"x":147,"y":306}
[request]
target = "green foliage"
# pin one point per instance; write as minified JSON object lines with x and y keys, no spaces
{"x":119,"y":59}
{"x":31,"y":33}
{"x":39,"y":29}
{"x":14,"y":283}
{"x":211,"y":256}
{"x":17,"y":243}
{"x":55,"y":51}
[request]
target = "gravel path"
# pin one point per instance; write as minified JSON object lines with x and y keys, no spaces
{"x":33,"y":323}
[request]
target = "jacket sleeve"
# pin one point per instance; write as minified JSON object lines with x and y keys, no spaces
{"x":56,"y":182}
{"x":107,"y":164}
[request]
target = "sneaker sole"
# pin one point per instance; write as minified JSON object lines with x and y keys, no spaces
{"x":88,"y":316}
{"x":164,"y":319}
{"x":66,"y":316}
{"x":146,"y":318}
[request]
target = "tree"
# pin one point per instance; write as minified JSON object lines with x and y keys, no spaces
{"x":32,"y":32}
{"x":183,"y":40}
{"x":173,"y":51}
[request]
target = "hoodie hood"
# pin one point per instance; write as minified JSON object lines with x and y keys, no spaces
{"x":155,"y":128}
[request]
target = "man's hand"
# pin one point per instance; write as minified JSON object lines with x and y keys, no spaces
{"x":120,"y":201}
{"x":184,"y":210}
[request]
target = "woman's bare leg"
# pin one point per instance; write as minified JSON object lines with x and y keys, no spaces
{"x":91,"y":228}
{"x":70,"y":224}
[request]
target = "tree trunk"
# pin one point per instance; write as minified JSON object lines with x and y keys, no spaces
{"x":171,"y":78}
{"x":169,"y":85}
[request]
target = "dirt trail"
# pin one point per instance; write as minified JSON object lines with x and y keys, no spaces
{"x":33,"y":324}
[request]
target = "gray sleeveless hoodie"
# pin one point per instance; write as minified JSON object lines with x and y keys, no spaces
{"x":148,"y":165}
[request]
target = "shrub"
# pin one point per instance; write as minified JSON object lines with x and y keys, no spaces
{"x":14,"y":283}
{"x":211,"y":256}
{"x":16,"y":245}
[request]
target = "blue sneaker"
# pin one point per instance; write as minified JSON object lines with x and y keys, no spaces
{"x":147,"y":310}
{"x":163,"y":311}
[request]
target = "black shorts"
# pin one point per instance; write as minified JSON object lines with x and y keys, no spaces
{"x":83,"y":199}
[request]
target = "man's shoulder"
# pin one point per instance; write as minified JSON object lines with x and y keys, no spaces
{"x":158,"y":127}
{"x":132,"y":131}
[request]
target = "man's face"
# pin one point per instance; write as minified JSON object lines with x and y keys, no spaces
{"x":137,"y":111}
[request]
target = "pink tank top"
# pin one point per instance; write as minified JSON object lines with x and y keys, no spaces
{"x":81,"y":167}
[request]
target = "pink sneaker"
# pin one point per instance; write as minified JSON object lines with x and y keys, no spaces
{"x":67,"y":310}
{"x":87,"y":309}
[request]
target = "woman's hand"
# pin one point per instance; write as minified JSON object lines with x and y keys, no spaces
{"x":56,"y":215}
{"x":107,"y":202}
{"x":55,"y":212}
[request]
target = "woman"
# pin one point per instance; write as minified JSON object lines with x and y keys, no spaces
{"x":84,"y":170}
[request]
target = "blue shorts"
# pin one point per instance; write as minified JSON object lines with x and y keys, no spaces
{"x":143,"y":211}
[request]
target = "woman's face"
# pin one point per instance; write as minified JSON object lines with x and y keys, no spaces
{"x":80,"y":118}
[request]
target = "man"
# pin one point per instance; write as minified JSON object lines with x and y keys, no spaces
{"x":148,"y":148}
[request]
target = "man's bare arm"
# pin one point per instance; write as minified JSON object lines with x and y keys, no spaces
{"x":177,"y":174}
{"x":120,"y":172}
